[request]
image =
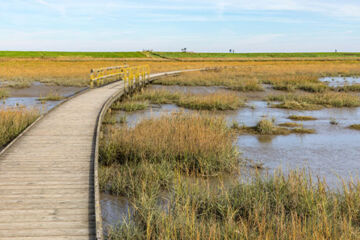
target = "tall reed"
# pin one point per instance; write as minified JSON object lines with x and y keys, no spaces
{"x":284,"y":207}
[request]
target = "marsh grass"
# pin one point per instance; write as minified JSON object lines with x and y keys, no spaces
{"x":315,"y":101}
{"x":348,"y":88}
{"x":192,"y":143}
{"x":130,"y":106}
{"x":268,"y":127}
{"x":290,"y":124}
{"x":278,"y":206}
{"x":75,"y":71}
{"x":4,"y":93}
{"x":227,"y":77}
{"x":18,"y":84}
{"x":159,"y":96}
{"x":214,"y":101}
{"x":301,"y":118}
{"x":289,"y":82}
{"x":52,"y":96}
{"x":355,"y":126}
{"x":13,"y":122}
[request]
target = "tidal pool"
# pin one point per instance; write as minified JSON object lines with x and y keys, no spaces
{"x":29,"y":97}
{"x":340,"y":81}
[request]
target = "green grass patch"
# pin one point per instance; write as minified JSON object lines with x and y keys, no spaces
{"x":257,"y":55}
{"x":44,"y":54}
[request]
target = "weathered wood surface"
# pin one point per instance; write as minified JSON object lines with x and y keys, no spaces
{"x":47,"y":175}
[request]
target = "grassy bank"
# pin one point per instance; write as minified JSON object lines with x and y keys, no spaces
{"x":13,"y":122}
{"x":213,"y":101}
{"x":258,"y":55}
{"x":315,"y":101}
{"x":45,"y":54}
{"x":189,"y":142}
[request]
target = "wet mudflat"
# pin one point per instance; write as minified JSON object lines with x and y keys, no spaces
{"x":30,"y":97}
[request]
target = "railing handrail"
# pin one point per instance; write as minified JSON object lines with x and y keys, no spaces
{"x":131,"y":75}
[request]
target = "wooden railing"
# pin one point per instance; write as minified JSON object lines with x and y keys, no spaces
{"x":132,"y":76}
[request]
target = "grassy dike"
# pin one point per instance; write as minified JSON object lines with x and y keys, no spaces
{"x":162,"y":166}
{"x":13,"y":122}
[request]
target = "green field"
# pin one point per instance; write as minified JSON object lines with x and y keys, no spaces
{"x":254,"y":55}
{"x":43,"y":54}
{"x":171,"y":55}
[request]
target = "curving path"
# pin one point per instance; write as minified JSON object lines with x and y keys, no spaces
{"x":48,"y":176}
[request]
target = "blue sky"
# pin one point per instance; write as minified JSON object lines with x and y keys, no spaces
{"x":201,"y":25}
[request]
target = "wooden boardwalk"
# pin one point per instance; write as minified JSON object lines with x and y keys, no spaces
{"x":47,"y":176}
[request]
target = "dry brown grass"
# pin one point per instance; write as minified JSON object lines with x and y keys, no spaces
{"x":13,"y":122}
{"x":76,"y":72}
{"x":192,"y":143}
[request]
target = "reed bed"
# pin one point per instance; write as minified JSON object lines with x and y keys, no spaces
{"x":192,"y":143}
{"x":13,"y":122}
{"x":278,"y":206}
{"x":315,"y":101}
{"x":215,"y":101}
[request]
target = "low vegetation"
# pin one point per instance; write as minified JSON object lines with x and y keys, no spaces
{"x":228,"y":77}
{"x":191,"y":143}
{"x":348,"y":88}
{"x":52,"y":96}
{"x":268,"y":127}
{"x":275,"y":207}
{"x":214,"y":101}
{"x":301,"y":118}
{"x":130,"y":106}
{"x":315,"y":101}
{"x":74,"y":70}
{"x":4,"y":93}
{"x":13,"y":122}
{"x":355,"y":126}
{"x":257,"y":55}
